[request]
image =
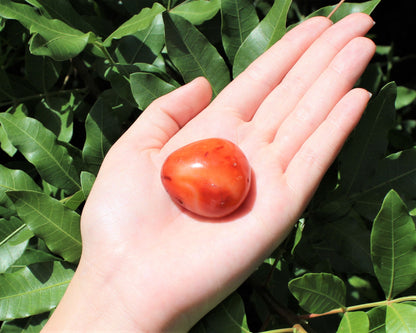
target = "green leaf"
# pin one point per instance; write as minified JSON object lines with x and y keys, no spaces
{"x":400,"y":318}
{"x":238,"y":18}
{"x":14,"y":180}
{"x":377,"y":317}
{"x":318,"y":292}
{"x":34,"y":256}
{"x":368,"y":144}
{"x":102,"y":129}
{"x":267,"y":32}
{"x":136,"y":23}
{"x":14,"y":237}
{"x":62,"y":10}
{"x":33,"y":290}
{"x":405,"y":97}
{"x":192,"y":53}
{"x":51,"y":38}
{"x":354,"y":322}
{"x":397,"y":171}
{"x":87,"y":181}
{"x":42,"y":72}
{"x":147,"y":87}
{"x":347,"y":8}
{"x":33,"y":324}
{"x":142,"y":46}
{"x":50,"y":220}
{"x":40,"y":147}
{"x":197,"y":11}
{"x":229,"y":316}
{"x":393,"y":246}
{"x":343,"y":241}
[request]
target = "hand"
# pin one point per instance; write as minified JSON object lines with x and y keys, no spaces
{"x":149,"y":266}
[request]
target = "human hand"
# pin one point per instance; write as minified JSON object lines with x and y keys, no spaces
{"x":148,"y":265}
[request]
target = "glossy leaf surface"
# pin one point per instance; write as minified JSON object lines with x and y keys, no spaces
{"x":318,"y":292}
{"x":33,"y":290}
{"x":40,"y":147}
{"x":50,"y":220}
{"x":393,"y":246}
{"x":193,"y":54}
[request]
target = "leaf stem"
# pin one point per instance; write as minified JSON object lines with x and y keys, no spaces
{"x":335,"y":9}
{"x":43,"y":95}
{"x":359,"y":307}
{"x":105,"y":52}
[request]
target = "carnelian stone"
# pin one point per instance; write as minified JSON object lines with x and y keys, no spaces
{"x":209,"y":177}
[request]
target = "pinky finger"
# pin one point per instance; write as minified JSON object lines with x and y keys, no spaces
{"x":313,"y":159}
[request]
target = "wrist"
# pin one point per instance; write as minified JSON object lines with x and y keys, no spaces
{"x":89,"y":304}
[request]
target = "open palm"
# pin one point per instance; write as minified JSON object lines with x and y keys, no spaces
{"x":290,"y":112}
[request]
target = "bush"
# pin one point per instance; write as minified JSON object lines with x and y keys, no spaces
{"x":73,"y":77}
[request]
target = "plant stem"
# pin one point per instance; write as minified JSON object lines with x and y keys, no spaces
{"x":335,"y":9}
{"x":40,"y":96}
{"x":105,"y":52}
{"x":359,"y":307}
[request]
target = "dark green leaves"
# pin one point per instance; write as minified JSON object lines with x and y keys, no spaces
{"x":50,"y":220}
{"x":41,"y":148}
{"x":267,"y":32}
{"x":193,"y":55}
{"x":146,"y":87}
{"x":369,"y":142}
{"x":32,"y":290}
{"x":50,"y":37}
{"x":239,"y":18}
{"x":393,"y":246}
{"x":229,"y":316}
{"x":318,"y":292}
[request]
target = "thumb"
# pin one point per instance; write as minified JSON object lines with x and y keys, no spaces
{"x":168,"y":114}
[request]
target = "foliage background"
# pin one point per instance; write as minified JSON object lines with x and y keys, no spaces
{"x":350,"y":263}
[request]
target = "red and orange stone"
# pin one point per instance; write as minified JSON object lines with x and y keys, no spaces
{"x":210,"y":177}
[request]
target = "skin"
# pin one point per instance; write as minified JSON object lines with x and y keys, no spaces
{"x":147,"y":266}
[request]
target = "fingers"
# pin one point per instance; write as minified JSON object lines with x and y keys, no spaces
{"x":310,"y":163}
{"x":305,"y":72}
{"x":323,"y":95}
{"x":248,"y":90}
{"x":168,"y":114}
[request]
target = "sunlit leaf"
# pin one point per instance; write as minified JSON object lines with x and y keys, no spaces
{"x":393,"y":246}
{"x":238,"y":19}
{"x":267,"y":32}
{"x":405,"y":96}
{"x":51,"y":38}
{"x":32,"y":324}
{"x":354,"y":322}
{"x":102,"y":128}
{"x":50,"y":220}
{"x":142,"y":46}
{"x":347,"y":8}
{"x":318,"y":292}
{"x":146,"y":87}
{"x":40,"y":147}
{"x":14,"y":180}
{"x":33,"y":290}
{"x":14,"y":237}
{"x":193,"y":54}
{"x":136,"y":23}
{"x":197,"y":11}
{"x":400,"y":318}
